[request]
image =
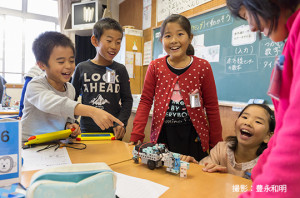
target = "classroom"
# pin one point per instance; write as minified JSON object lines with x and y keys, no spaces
{"x":241,"y":64}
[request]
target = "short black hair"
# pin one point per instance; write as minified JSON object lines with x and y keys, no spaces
{"x":184,"y":23}
{"x":268,"y":10}
{"x":43,"y":45}
{"x":233,"y":139}
{"x":106,"y":24}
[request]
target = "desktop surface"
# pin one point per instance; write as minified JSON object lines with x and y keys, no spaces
{"x":117,"y":155}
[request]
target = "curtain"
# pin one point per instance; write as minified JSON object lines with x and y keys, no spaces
{"x":84,"y":48}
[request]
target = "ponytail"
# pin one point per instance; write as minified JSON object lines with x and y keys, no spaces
{"x":190,"y":50}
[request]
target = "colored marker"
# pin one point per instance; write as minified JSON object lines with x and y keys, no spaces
{"x":48,"y":137}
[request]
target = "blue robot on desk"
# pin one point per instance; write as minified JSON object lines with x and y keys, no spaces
{"x":157,"y":155}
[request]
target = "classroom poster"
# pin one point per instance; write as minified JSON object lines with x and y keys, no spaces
{"x":147,"y":52}
{"x":242,"y":35}
{"x":209,"y":53}
{"x":138,"y":58}
{"x":147,"y":4}
{"x":165,"y":8}
{"x":129,"y":57}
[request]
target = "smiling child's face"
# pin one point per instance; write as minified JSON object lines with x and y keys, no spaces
{"x":175,"y":40}
{"x":252,"y":127}
{"x":61,"y":65}
{"x":108,"y":46}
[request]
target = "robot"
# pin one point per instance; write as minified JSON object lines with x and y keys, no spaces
{"x":157,"y":155}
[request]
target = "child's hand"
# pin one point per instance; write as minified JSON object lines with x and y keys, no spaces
{"x":103,"y":119}
{"x":187,"y":158}
{"x":214,"y":168}
{"x":76,"y":128}
{"x":119,"y":132}
{"x":135,"y":143}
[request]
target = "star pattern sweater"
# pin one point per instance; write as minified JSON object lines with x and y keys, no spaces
{"x":159,"y":85}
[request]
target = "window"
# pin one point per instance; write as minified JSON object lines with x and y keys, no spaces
{"x":30,"y":36}
{"x":1,"y":43}
{"x":43,"y":7}
{"x":11,"y":4}
{"x":21,"y":22}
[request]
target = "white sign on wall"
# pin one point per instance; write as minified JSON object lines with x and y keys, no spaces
{"x":167,"y":7}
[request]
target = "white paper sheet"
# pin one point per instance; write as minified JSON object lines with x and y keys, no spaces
{"x":147,"y":52}
{"x":165,"y":8}
{"x":243,"y":35}
{"x":136,"y":101}
{"x":209,"y":53}
{"x":132,"y":187}
{"x":129,"y":56}
{"x":147,"y":15}
{"x":44,"y":159}
{"x":138,"y":59}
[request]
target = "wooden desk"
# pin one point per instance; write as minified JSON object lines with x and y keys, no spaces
{"x":9,"y":112}
{"x":117,"y":155}
{"x":110,"y":152}
{"x":197,"y":184}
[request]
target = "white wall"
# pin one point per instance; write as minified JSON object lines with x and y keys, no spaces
{"x":115,"y":9}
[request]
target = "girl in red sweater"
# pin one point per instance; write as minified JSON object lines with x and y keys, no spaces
{"x":186,"y":113}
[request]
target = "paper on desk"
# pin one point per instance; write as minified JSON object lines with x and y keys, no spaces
{"x":131,"y":187}
{"x":33,"y":160}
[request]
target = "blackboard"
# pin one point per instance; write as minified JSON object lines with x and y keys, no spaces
{"x":242,"y":62}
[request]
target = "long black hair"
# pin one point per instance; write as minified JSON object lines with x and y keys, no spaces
{"x":268,"y":10}
{"x":233,"y":139}
{"x":184,"y":23}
